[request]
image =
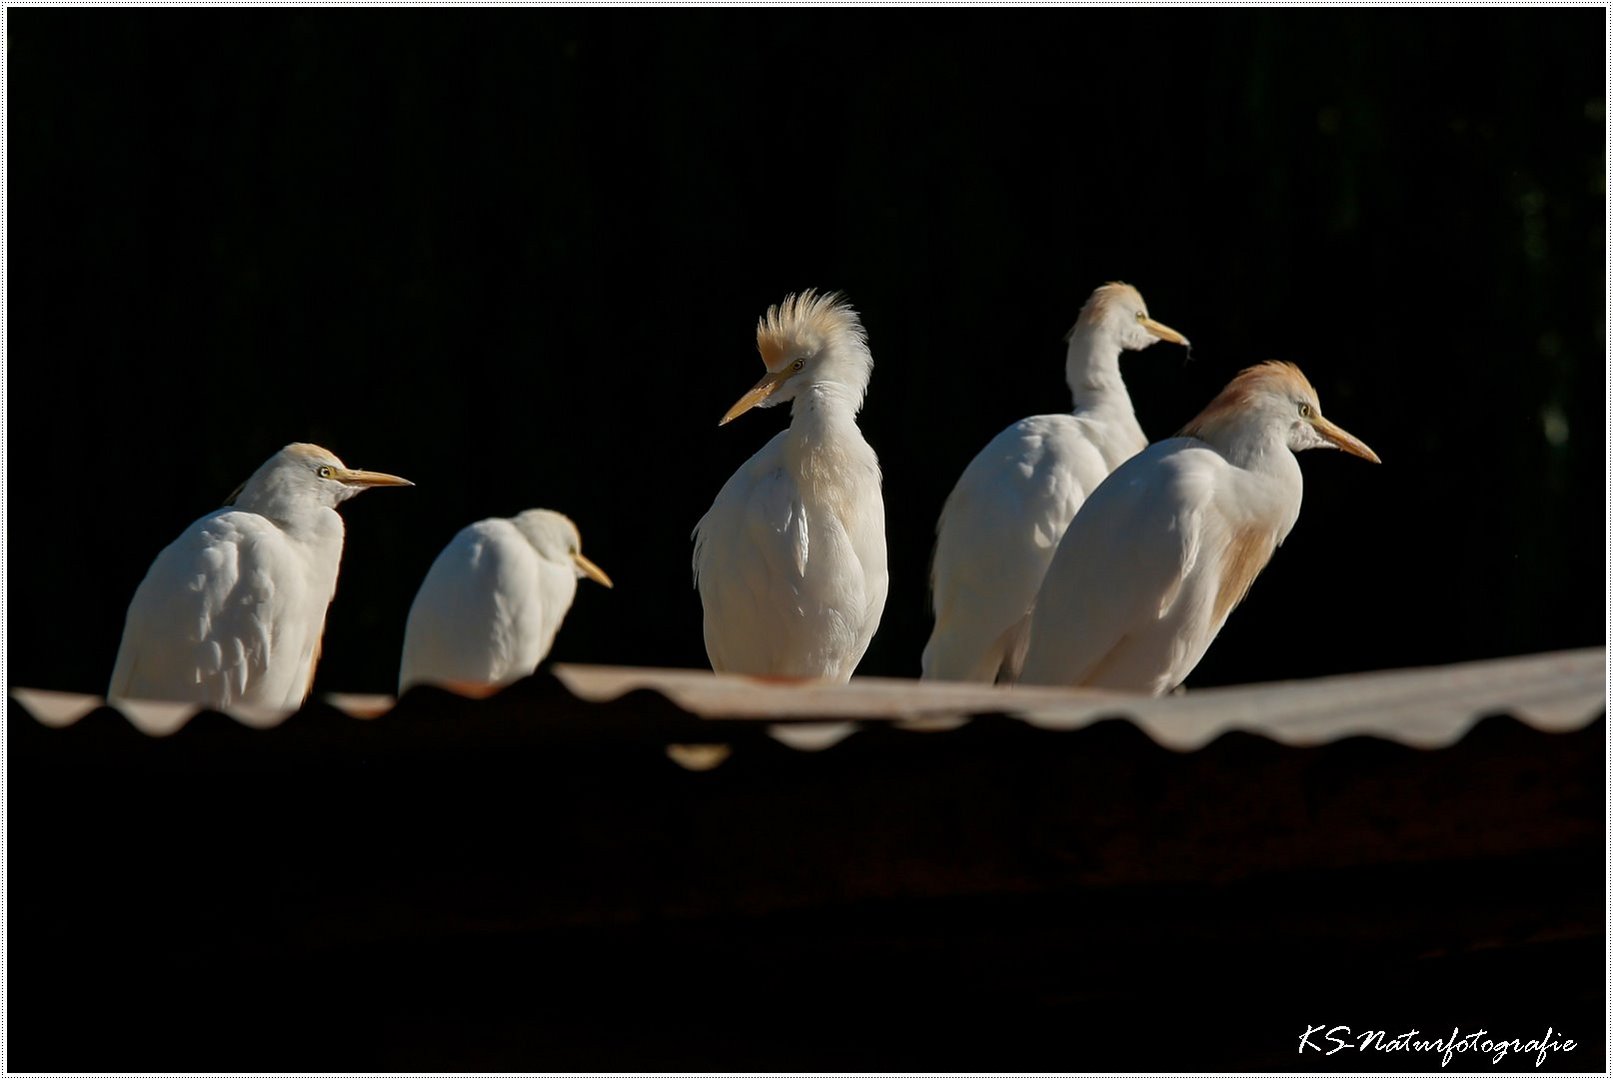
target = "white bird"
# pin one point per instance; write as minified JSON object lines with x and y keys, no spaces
{"x":1002,"y":522}
{"x":790,"y":559}
{"x":233,"y":611}
{"x":1167,"y":546}
{"x":492,"y":602}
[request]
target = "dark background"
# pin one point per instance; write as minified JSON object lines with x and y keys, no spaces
{"x":517,"y":257}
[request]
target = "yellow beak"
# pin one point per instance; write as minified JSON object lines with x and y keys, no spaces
{"x":757,"y":394}
{"x":589,"y":570}
{"x":1162,"y":332}
{"x":361,"y":478}
{"x":1344,"y":440}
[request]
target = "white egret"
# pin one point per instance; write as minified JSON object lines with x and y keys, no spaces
{"x":1167,"y":546}
{"x":233,"y":611}
{"x":492,"y":602}
{"x":1002,"y":522}
{"x":790,"y":559}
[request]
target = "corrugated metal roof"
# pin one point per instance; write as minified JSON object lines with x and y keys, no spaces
{"x":527,"y":882}
{"x":1422,"y":707}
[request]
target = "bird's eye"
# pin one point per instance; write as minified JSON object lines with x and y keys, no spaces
{"x":1305,"y":409}
{"x":326,"y":472}
{"x":1141,"y":315}
{"x":800,"y":362}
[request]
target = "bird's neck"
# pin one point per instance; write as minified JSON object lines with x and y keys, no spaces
{"x":291,"y":509}
{"x":824,"y":405}
{"x":1275,"y":484}
{"x":1092,"y":368}
{"x":1255,"y":450}
{"x":1266,"y":486}
{"x":824,"y":445}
